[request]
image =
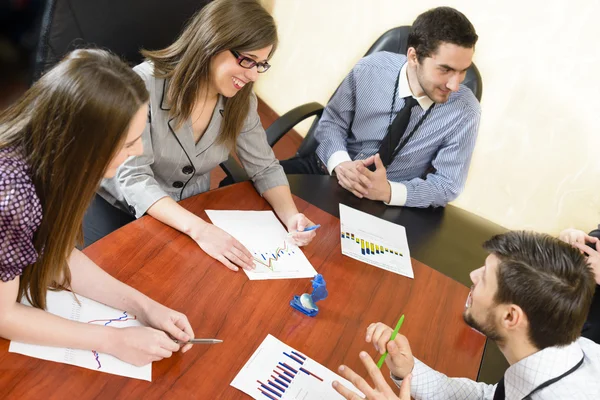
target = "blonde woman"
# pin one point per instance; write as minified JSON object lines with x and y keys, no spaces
{"x":201,"y":108}
{"x":72,"y":128}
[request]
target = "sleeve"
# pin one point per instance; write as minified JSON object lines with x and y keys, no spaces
{"x":256,"y":155}
{"x":451,"y":165}
{"x":18,"y":222}
{"x":136,"y":178}
{"x":429,"y":384}
{"x":334,"y":125}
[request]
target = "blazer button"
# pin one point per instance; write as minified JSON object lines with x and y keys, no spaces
{"x":188,"y":169}
{"x":132,"y":210}
{"x":177,"y":184}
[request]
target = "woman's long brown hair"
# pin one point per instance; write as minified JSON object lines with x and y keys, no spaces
{"x":241,"y":25}
{"x":68,"y":127}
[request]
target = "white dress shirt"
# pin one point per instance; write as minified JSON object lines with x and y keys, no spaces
{"x":521,"y":378}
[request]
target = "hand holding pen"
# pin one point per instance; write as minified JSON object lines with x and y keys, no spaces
{"x":301,"y":229}
{"x":400,"y":360}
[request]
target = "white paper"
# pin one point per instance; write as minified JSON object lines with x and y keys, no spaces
{"x":64,"y":305}
{"x":264,"y":236}
{"x":263,"y":376}
{"x":363,"y":235}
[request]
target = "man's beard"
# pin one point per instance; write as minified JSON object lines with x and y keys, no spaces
{"x":488,"y":327}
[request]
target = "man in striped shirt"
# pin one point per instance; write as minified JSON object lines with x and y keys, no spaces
{"x":430,"y":168}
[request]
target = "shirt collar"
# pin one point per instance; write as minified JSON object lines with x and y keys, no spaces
{"x":522,"y":378}
{"x":404,"y":89}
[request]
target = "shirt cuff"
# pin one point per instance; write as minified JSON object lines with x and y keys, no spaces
{"x":398,"y":194}
{"x":336,"y":159}
{"x":419,"y":369}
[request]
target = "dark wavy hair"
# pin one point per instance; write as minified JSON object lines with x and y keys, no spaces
{"x":440,"y":25}
{"x":550,"y":280}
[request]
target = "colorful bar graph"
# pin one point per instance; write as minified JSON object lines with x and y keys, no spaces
{"x":283,"y":375}
{"x":368,"y":248}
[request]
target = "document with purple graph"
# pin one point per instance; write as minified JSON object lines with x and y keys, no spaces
{"x":87,"y":311}
{"x":277,"y":371}
{"x":264,"y":236}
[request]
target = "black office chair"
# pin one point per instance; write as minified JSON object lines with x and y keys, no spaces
{"x":395,"y":41}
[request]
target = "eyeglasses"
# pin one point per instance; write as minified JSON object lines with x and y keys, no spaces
{"x":248,"y":63}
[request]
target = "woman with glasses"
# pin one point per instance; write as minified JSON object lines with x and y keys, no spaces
{"x":201,"y":108}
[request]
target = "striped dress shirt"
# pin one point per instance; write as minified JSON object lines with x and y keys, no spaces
{"x":432,"y":168}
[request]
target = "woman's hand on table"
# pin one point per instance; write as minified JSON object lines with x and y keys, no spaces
{"x":223,"y":247}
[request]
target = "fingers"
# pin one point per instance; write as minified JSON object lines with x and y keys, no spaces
{"x":379,"y":334}
{"x":166,"y":343}
{"x":374,"y":372}
{"x":405,"y":388}
{"x":585,"y":248}
{"x":226,"y":262}
{"x":242,"y":252}
{"x":368,"y":161}
{"x":303,"y":238}
{"x":237,"y":257}
{"x":591,"y":239}
{"x":381,"y":338}
{"x":371,"y":330}
{"x":378,"y":162}
{"x":365,"y":176}
{"x":161,"y":352}
{"x":351,"y":178}
{"x":184,"y":325}
{"x":343,"y":182}
{"x":347,"y":393}
{"x":357,"y":381}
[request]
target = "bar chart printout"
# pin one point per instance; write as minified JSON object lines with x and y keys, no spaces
{"x":374,"y":241}
{"x":64,"y":305}
{"x":276,"y":371}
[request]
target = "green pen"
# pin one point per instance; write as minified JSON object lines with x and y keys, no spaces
{"x":398,"y":325}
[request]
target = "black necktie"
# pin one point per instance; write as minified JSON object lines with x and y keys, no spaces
{"x":499,"y":393}
{"x":396,"y":131}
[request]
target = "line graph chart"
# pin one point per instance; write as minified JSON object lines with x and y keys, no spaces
{"x":107,"y":322}
{"x":275,"y":257}
{"x":81,"y":309}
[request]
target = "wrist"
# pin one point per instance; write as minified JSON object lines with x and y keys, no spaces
{"x":196,"y":229}
{"x":107,"y":342}
{"x":387,"y":193}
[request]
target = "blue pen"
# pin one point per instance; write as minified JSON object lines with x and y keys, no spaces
{"x":311,"y":228}
{"x":307,"y":229}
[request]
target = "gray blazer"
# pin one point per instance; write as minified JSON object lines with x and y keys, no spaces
{"x":173,"y":165}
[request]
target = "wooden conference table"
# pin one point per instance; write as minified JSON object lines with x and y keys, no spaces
{"x":172,"y":269}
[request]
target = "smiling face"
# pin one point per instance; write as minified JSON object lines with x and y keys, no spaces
{"x":481,"y":309}
{"x":442,"y":72}
{"x":227,"y":77}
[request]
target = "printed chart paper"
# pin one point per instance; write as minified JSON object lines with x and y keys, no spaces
{"x":375,"y":241}
{"x":64,"y":305}
{"x":276,"y":371}
{"x":264,"y":236}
